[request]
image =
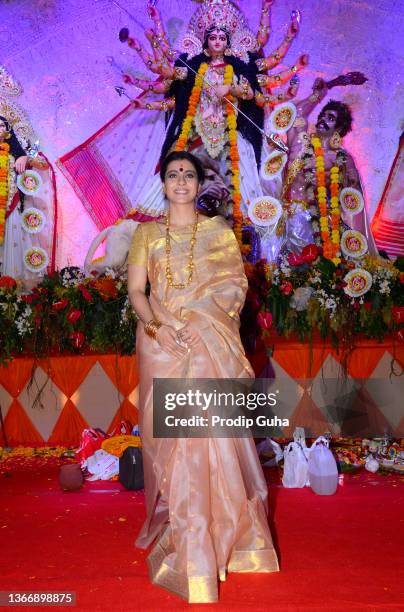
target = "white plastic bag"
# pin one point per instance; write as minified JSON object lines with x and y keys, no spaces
{"x":102,"y":465}
{"x":371,"y":464}
{"x":270,"y":446}
{"x":295,"y":466}
{"x":323,"y":472}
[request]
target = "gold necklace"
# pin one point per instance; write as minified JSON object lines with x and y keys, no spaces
{"x":190,"y":266}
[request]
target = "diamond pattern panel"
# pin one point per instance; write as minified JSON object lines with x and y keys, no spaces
{"x":45,"y":414}
{"x":97,"y":399}
{"x":134,"y":396}
{"x":5,"y":401}
{"x":387,"y":393}
{"x":289,"y":391}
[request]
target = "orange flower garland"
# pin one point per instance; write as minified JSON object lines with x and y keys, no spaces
{"x":331,"y":240}
{"x":4,"y":156}
{"x":192,"y":106}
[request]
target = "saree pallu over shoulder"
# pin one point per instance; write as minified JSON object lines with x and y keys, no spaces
{"x":206,"y":498}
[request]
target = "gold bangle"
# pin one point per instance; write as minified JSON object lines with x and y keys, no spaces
{"x":151,"y":328}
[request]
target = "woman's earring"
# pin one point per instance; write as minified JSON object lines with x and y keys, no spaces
{"x":206,"y":52}
{"x":227,"y":51}
{"x":7,"y":135}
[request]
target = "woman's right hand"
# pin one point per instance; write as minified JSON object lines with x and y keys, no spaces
{"x":166,"y":336}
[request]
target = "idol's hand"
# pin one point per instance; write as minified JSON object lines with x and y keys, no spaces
{"x":153,"y":14}
{"x":166,"y":336}
{"x":221,"y":90}
{"x":188,"y":335}
{"x":320,"y":85}
{"x":302,"y":61}
{"x":21,"y":164}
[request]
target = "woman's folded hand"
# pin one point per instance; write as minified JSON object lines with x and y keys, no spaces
{"x":188,"y":334}
{"x":167,"y":338}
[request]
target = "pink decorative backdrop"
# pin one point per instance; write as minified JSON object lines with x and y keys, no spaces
{"x":60,"y":50}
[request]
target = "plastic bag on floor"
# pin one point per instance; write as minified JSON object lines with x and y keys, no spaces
{"x":102,"y":465}
{"x":270,"y":447}
{"x":91,"y":440}
{"x":323,"y":472}
{"x":295,"y":470}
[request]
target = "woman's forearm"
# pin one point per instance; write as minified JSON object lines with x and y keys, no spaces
{"x":141,"y":305}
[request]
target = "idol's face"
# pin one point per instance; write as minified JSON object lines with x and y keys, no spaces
{"x":327,"y":122}
{"x":217,"y":42}
{"x":29,"y":182}
{"x":181,"y":183}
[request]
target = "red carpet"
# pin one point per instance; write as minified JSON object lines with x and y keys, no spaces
{"x":343,"y":552}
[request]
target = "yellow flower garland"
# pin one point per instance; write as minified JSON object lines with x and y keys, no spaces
{"x":232,"y":133}
{"x":4,"y":161}
{"x":331,"y":240}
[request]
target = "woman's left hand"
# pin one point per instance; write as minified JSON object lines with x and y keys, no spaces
{"x":21,"y":164}
{"x":188,"y":335}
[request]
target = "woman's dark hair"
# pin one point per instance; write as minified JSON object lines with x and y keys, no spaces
{"x":178,"y":155}
{"x":16,"y":149}
{"x":209,"y":31}
{"x":344,"y":116}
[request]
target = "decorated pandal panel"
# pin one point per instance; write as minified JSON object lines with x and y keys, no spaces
{"x":101,"y":390}
{"x":72,"y":393}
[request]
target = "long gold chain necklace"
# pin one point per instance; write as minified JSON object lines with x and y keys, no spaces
{"x":190,"y":266}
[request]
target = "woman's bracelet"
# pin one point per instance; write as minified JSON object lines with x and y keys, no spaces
{"x":151,"y":328}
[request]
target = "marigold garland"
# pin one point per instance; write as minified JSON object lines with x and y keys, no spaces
{"x":4,"y":160}
{"x":331,"y":240}
{"x":191,"y":111}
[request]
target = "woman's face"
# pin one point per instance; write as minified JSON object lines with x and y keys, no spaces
{"x":181,"y":183}
{"x":217,"y":42}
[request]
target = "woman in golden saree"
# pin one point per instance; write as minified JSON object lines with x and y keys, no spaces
{"x":206,"y":497}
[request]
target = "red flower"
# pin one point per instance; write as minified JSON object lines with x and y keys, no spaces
{"x":77,"y":339}
{"x":264,"y":319}
{"x":106,"y":287}
{"x":310,"y":253}
{"x":60,"y":305}
{"x":7,"y":282}
{"x":402,"y":278}
{"x":85,"y":293}
{"x":37,"y":321}
{"x":73,"y":315}
{"x":295,"y":260}
{"x":27,"y":298}
{"x":398,"y":314}
{"x":367,"y":305}
{"x":356,"y":305}
{"x":286,"y":287}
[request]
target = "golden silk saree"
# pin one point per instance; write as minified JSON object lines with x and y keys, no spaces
{"x":206,"y":498}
